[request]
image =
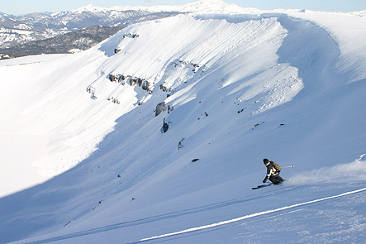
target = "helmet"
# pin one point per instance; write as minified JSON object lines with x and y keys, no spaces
{"x":265,"y":161}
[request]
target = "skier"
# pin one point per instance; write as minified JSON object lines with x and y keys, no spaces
{"x":273,"y":172}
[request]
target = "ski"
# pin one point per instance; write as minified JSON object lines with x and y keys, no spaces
{"x":261,"y":186}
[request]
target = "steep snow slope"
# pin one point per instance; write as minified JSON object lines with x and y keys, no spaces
{"x":46,"y":108}
{"x":348,"y":32}
{"x":239,"y":88}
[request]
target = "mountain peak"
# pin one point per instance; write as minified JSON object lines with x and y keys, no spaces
{"x":89,"y":8}
{"x":217,"y":6}
{"x":211,"y":2}
{"x":207,"y":4}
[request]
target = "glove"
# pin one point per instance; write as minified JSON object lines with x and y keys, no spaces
{"x":264,"y":181}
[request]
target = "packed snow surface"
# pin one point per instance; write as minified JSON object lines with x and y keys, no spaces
{"x":103,"y":163}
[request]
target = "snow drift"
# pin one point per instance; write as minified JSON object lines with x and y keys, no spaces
{"x":339,"y":173}
{"x":232,"y":89}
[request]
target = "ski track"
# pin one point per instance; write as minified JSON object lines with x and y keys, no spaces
{"x":192,"y":211}
{"x":251,"y":216}
{"x":162,"y":216}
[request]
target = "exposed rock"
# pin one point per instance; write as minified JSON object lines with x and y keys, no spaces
{"x":113,"y":78}
{"x":113,"y":100}
{"x":180,"y":143}
{"x":146,"y":85}
{"x":131,"y":80}
{"x":6,"y":56}
{"x":165,"y":127}
{"x":161,"y":107}
{"x":133,"y":36}
{"x":204,"y":115}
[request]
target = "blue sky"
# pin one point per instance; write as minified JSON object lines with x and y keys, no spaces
{"x":27,"y":6}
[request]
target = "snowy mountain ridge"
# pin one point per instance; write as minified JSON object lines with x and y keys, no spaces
{"x":199,"y":6}
{"x":204,"y":6}
{"x":158,"y":133}
{"x":17,"y":30}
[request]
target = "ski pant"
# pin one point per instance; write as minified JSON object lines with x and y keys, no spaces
{"x":275,"y":179}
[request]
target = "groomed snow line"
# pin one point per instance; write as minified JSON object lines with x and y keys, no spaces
{"x":252,"y":216}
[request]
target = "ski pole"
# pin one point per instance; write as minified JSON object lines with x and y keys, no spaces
{"x":290,"y":166}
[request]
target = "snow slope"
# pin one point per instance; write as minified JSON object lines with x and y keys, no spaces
{"x":286,"y":86}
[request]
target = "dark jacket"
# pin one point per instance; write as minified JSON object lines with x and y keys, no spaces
{"x":273,"y":173}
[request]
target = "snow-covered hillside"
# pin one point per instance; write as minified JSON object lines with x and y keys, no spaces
{"x":158,"y":133}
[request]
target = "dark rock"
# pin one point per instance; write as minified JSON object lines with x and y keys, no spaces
{"x":161,"y":107}
{"x":165,"y":127}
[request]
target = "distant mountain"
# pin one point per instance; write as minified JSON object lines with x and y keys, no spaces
{"x":34,"y":33}
{"x":20,"y":35}
{"x":66,"y":43}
